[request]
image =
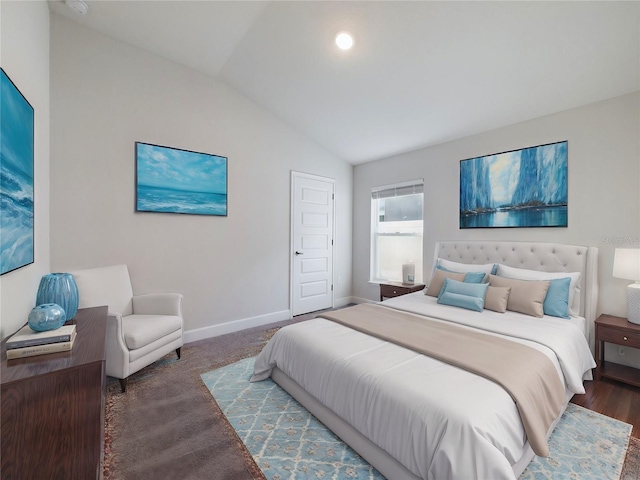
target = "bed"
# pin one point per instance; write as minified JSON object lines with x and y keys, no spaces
{"x":412,"y":416}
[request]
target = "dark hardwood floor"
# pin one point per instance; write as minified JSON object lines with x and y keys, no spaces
{"x":614,"y":399}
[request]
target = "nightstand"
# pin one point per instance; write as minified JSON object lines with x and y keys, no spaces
{"x":395,"y":289}
{"x":620,"y":331}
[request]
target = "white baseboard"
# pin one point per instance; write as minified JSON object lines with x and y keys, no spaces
{"x":342,"y":302}
{"x":362,"y":300}
{"x":244,"y":323}
{"x":235,"y":326}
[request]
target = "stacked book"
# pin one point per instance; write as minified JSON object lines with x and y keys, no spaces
{"x":28,"y":343}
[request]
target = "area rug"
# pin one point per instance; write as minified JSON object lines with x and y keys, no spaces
{"x":631,"y":469}
{"x":168,"y":426}
{"x":286,"y":441}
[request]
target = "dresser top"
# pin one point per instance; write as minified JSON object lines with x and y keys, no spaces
{"x":89,"y":347}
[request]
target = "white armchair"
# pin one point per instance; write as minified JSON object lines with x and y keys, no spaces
{"x":140,"y":329}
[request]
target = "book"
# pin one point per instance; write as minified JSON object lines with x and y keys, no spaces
{"x":25,"y":337}
{"x":42,"y":349}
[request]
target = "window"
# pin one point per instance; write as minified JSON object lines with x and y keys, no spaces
{"x":396,"y":230}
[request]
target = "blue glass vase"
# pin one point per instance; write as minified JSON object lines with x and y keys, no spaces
{"x":48,"y":316}
{"x":61,"y":289}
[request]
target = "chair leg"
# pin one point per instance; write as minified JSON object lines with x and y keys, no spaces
{"x":123,"y":384}
{"x":178,"y":352}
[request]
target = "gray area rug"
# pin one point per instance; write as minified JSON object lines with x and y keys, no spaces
{"x":167,"y":425}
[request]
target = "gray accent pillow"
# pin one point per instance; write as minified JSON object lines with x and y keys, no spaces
{"x":496,"y":298}
{"x":438,"y":279}
{"x":526,"y":296}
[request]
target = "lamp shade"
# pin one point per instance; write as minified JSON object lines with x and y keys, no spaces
{"x":408,"y":272}
{"x":626,"y":263}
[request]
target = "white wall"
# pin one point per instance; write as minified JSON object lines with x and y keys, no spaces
{"x":106,"y":95}
{"x":24,"y":56}
{"x":604,"y":189}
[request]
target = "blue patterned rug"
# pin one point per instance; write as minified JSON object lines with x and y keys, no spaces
{"x":287,"y":442}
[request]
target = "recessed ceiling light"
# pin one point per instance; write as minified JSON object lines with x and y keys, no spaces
{"x":78,"y":6}
{"x":344,"y":41}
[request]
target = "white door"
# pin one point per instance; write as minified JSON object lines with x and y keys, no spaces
{"x":312,"y":200}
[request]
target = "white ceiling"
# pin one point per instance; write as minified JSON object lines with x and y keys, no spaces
{"x":420,"y":73}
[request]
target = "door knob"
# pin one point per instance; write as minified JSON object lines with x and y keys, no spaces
{"x":299,"y":253}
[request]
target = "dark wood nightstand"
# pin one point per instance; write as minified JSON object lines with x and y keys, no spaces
{"x":395,"y":289}
{"x":620,"y":331}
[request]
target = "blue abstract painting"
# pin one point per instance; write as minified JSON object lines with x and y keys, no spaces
{"x":172,"y":180}
{"x":519,"y":188}
{"x":16,"y":177}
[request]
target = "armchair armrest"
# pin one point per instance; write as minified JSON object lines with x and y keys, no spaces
{"x":114,"y":324}
{"x":158,"y":304}
{"x":117,"y":364}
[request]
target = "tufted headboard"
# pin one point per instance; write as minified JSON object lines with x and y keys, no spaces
{"x":547,"y":257}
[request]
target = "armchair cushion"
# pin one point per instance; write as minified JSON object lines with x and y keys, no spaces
{"x":158,"y":304}
{"x":105,"y":286}
{"x":141,"y":330}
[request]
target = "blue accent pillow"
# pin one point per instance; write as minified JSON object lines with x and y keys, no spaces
{"x":474,"y":277}
{"x":556,"y":302}
{"x":470,"y":277}
{"x":463,"y":294}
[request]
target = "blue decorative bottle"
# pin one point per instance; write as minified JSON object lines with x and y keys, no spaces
{"x":47,"y":316}
{"x":61,"y":289}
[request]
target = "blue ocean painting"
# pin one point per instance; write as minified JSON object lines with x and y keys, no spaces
{"x":16,"y":178}
{"x":180,"y":181}
{"x":520,"y":188}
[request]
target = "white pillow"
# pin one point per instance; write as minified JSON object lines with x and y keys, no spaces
{"x":465,"y":267}
{"x":524,"y":274}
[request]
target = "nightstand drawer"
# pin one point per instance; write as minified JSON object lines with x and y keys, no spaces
{"x":395,"y":289}
{"x":390,"y":291}
{"x":619,"y":337}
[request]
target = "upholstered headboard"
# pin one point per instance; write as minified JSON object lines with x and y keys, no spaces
{"x":547,"y":257}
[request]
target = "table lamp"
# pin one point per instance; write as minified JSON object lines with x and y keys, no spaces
{"x":408,"y":273}
{"x":626,"y":264}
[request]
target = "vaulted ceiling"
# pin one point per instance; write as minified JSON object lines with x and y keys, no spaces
{"x":419,"y":74}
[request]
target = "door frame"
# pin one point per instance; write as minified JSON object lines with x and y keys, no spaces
{"x":294,"y":176}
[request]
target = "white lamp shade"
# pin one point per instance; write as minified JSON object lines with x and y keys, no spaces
{"x":408,"y":272}
{"x":626,"y":263}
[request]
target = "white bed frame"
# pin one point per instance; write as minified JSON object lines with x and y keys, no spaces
{"x":547,"y":257}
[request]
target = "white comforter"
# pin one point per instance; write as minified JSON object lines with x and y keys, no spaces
{"x":439,"y":421}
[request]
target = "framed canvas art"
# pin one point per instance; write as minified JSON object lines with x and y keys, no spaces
{"x":518,"y":188}
{"x":172,"y":180}
{"x":16,"y":177}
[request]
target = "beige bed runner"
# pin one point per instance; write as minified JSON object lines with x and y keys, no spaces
{"x":525,"y":373}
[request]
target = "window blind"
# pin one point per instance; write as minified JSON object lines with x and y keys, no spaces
{"x":398,"y":190}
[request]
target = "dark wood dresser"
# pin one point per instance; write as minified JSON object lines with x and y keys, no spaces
{"x":53,"y":407}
